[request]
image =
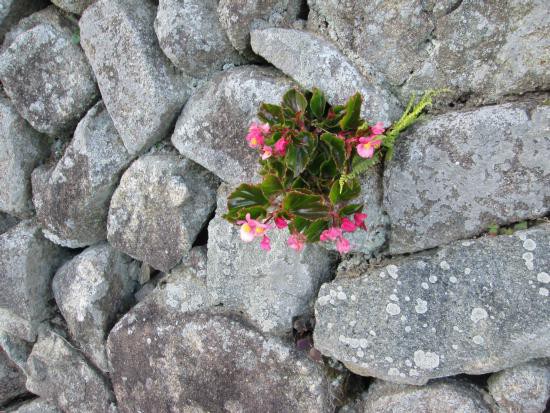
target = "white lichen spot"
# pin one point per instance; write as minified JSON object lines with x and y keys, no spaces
{"x":432,"y":279}
{"x":382,"y":274}
{"x":426,"y":360}
{"x":408,"y":329}
{"x":392,"y":270}
{"x":393,"y":309}
{"x":372,"y":333}
{"x":393,"y":297}
{"x":444,"y":265}
{"x":360,"y":353}
{"x":354,"y":359}
{"x":467,"y":271}
{"x":530,"y":266}
{"x":341,"y":295}
{"x":413,"y":373}
{"x":353,"y":297}
{"x":388,"y":359}
{"x":363,"y":343}
{"x":453,"y":279}
{"x":529,"y":244}
{"x":522,"y":236}
{"x":467,"y":243}
{"x":528,"y":256}
{"x":408,"y":363}
{"x":454,"y":347}
{"x":352,"y":323}
{"x":543,"y":291}
{"x":478,"y":340}
{"x":478,"y":314}
{"x":407,"y":298}
{"x":393,"y":372}
{"x":421,"y":306}
{"x":543,"y":277}
{"x":324,"y":300}
{"x":425,"y":286}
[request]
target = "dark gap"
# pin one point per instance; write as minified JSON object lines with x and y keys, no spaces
{"x":479,"y":380}
{"x":202,"y":238}
{"x":304,"y":11}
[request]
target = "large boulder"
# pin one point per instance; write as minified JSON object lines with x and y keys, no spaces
{"x":11,"y":11}
{"x":190,"y":34}
{"x":142,"y":90}
{"x":46,"y":74}
{"x":72,"y":198}
{"x":21,"y":150}
{"x":159,"y":208}
{"x":57,"y":372}
{"x":471,"y":307}
{"x":315,"y":62}
{"x":28,"y":262}
{"x":91,"y":291}
{"x":212,"y":127}
{"x":12,"y":379}
{"x":271,"y":288}
{"x":39,"y":405}
{"x":6,"y":222}
{"x":165,"y":360}
{"x":73,"y":6}
{"x":456,"y":174}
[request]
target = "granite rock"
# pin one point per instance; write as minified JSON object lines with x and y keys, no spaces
{"x":11,"y":11}
{"x":73,"y":6}
{"x":6,"y":222}
{"x":12,"y":379}
{"x":39,"y":405}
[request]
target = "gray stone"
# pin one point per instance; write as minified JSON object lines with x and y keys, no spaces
{"x":212,"y":127}
{"x":91,"y":290}
{"x":21,"y":150}
{"x":72,"y":198}
{"x":73,"y":6}
{"x":239,"y":17}
{"x":15,"y":349}
{"x":142,"y":90}
{"x":159,"y":208}
{"x":190,"y":34}
{"x":48,"y":78}
{"x":36,"y":406}
{"x":271,"y":288}
{"x":315,"y":62}
{"x":471,"y":307}
{"x":6,"y":222}
{"x":59,"y":373}
{"x":456,"y":174}
{"x":522,"y":389}
{"x":12,"y":379}
{"x":436,"y":397}
{"x":11,"y":11}
{"x":28,"y":262}
{"x":166,"y":361}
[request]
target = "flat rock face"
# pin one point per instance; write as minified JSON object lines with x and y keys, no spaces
{"x":472,"y":307}
{"x":58,"y":372}
{"x":142,"y":90}
{"x":48,"y":78}
{"x":438,"y":396}
{"x":456,"y":174}
{"x":21,"y":150}
{"x":73,"y":6}
{"x":159,"y":208}
{"x":37,"y":406}
{"x":6,"y":222}
{"x":72,"y":198}
{"x":167,"y":361}
{"x":91,"y":290}
{"x":269,"y":287}
{"x":239,"y":17}
{"x":28,"y":262}
{"x":12,"y":379}
{"x":212,"y":127}
{"x":524,"y":388}
{"x":11,"y":11}
{"x":190,"y":34}
{"x":315,"y":62}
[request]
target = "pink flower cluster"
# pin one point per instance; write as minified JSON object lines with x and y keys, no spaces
{"x":252,"y":228}
{"x":256,"y":139}
{"x":367,"y":145}
{"x":336,"y":234}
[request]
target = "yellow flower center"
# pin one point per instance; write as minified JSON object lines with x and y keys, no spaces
{"x":260,"y":230}
{"x":246,"y":228}
{"x":254,"y":141}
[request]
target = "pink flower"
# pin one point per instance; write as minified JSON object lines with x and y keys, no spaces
{"x":359,"y":219}
{"x":297,"y":242}
{"x":267,"y":152}
{"x":347,"y":225}
{"x":342,"y":245}
{"x":378,"y":129}
{"x":280,"y":223}
{"x":266,"y":243}
{"x":331,"y":234}
{"x":248,"y":227}
{"x":280,"y":146}
{"x":366,"y":146}
{"x":256,"y":132}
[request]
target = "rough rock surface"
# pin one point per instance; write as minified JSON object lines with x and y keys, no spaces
{"x":59,"y":373}
{"x":159,"y":208}
{"x":11,"y":11}
{"x":91,"y":290}
{"x":21,"y":150}
{"x":315,"y":62}
{"x":190,"y":34}
{"x":72,"y":198}
{"x":239,"y":17}
{"x":522,"y":389}
{"x":73,"y":6}
{"x":167,"y":361}
{"x":438,"y":396}
{"x":17,"y":350}
{"x":212,"y":127}
{"x":142,"y":90}
{"x":472,"y":307}
{"x":36,"y":406}
{"x":12,"y":379}
{"x":269,"y":287}
{"x":457,"y":173}
{"x":6,"y":222}
{"x":28,"y":262}
{"x":47,"y":76}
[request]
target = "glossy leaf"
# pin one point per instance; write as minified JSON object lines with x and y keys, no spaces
{"x":350,"y":190}
{"x":353,"y":111}
{"x":246,"y":196}
{"x":270,"y":113}
{"x":300,"y":151}
{"x":318,"y":103}
{"x":337,"y":148}
{"x":271,"y":185}
{"x":305,"y":205}
{"x":350,"y":209}
{"x":295,"y":100}
{"x":314,"y":230}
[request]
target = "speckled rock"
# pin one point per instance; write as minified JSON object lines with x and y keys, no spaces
{"x":436,"y":397}
{"x":212,"y":127}
{"x":159,"y":208}
{"x":482,"y":51}
{"x":73,"y":6}
{"x":471,"y":307}
{"x":36,"y":406}
{"x":15,"y":349}
{"x":239,"y":17}
{"x":190,"y":34}
{"x":166,"y":361}
{"x":28,"y":262}
{"x":21,"y":150}
{"x":72,"y":198}
{"x":6,"y":222}
{"x":457,"y":173}
{"x":46,"y":74}
{"x":142,"y":90}
{"x":11,"y":11}
{"x":315,"y":62}
{"x":12,"y":379}
{"x":269,"y":287}
{"x":57,"y":372}
{"x":91,"y":291}
{"x":522,"y":389}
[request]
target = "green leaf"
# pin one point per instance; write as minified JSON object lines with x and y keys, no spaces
{"x":246,"y":196}
{"x":271,"y":139}
{"x":305,"y":205}
{"x":337,"y":148}
{"x":328,"y":169}
{"x":299,"y":224}
{"x":240,"y":214}
{"x":299,"y":152}
{"x":350,"y":190}
{"x":350,"y":209}
{"x":299,"y":183}
{"x":295,"y":100}
{"x":270,"y":113}
{"x":318,"y":103}
{"x":271,"y":185}
{"x":353,"y":112}
{"x":314,"y":230}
